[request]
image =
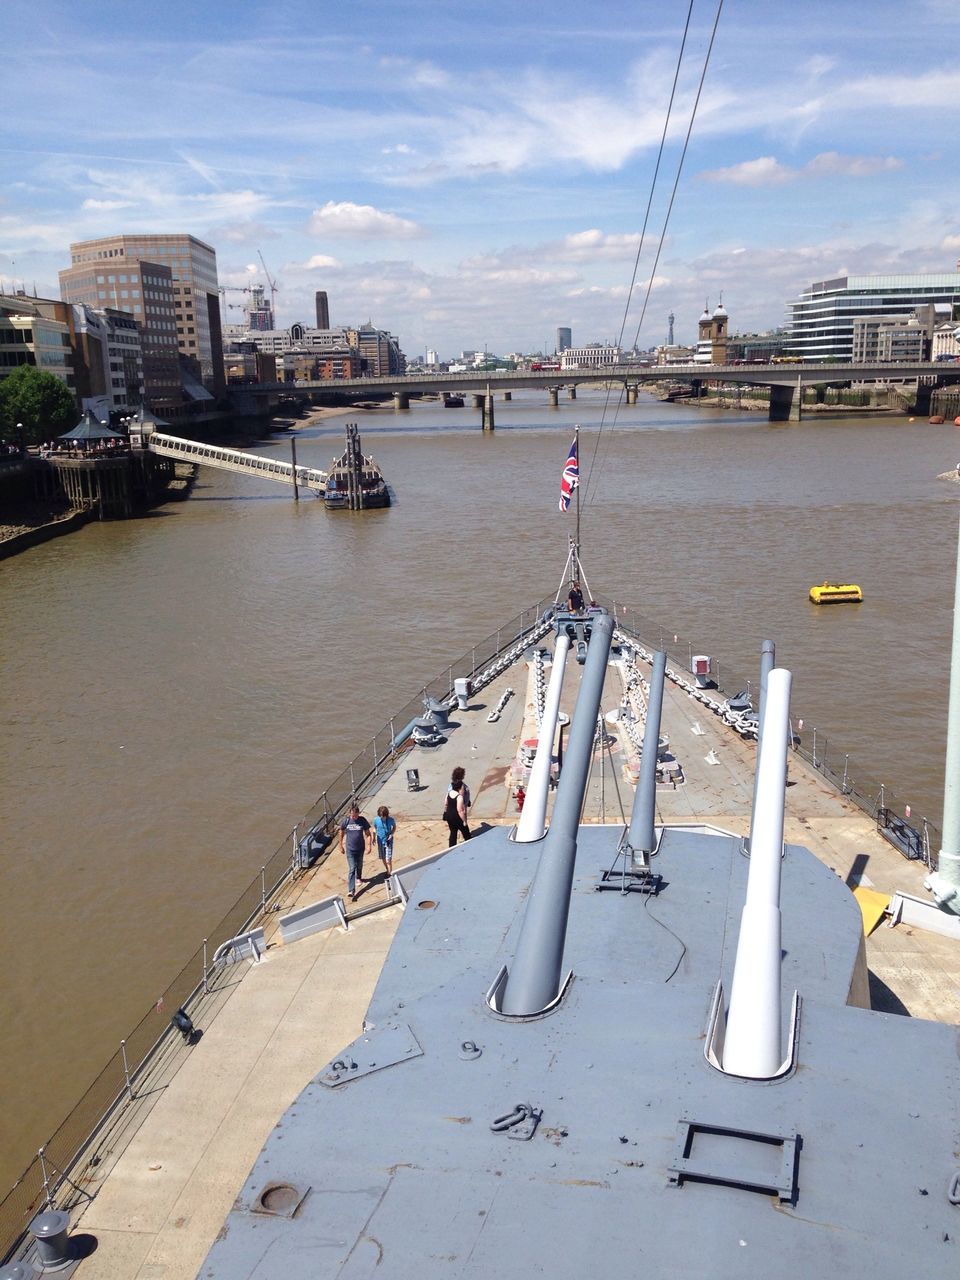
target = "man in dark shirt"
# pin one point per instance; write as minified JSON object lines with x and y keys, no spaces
{"x":356,"y":839}
{"x":575,"y":598}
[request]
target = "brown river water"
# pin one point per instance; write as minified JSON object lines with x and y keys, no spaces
{"x":177,"y":690}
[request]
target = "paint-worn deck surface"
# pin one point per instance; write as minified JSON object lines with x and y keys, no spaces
{"x":162,"y":1202}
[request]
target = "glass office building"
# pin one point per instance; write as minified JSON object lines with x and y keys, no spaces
{"x":821,"y":322}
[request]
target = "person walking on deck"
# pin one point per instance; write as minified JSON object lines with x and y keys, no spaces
{"x":457,"y":808}
{"x":356,"y":839}
{"x":384,"y":826}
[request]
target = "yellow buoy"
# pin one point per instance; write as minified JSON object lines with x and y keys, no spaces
{"x":836,"y":593}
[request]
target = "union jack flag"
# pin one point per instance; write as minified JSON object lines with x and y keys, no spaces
{"x":570,"y":478}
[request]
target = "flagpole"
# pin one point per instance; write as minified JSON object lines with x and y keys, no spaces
{"x":576,"y":436}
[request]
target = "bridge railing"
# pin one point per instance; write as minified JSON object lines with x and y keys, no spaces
{"x":271,"y":468}
{"x":81,"y":1149}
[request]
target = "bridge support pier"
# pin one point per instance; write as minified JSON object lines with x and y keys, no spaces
{"x":631,"y":392}
{"x":922,"y":403}
{"x":786,"y":403}
{"x":572,"y":393}
{"x":488,"y":423}
{"x":553,"y":397}
{"x":508,"y":396}
{"x":401,"y":400}
{"x":476,"y":399}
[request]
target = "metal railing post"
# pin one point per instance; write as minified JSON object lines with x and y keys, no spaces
{"x":353,"y":784}
{"x":843,"y":784}
{"x":376,"y":762}
{"x":126,"y":1069}
{"x":263,"y":888}
{"x":46,"y":1181}
{"x":815,"y":751}
{"x":206,"y":989}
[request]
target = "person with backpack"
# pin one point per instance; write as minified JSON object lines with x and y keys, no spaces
{"x":457,"y":808}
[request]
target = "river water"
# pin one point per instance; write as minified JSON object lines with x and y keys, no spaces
{"x":178,"y":689}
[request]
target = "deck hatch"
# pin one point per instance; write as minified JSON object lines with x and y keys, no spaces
{"x":763,"y":1162}
{"x":280,"y":1199}
{"x":385,"y":1047}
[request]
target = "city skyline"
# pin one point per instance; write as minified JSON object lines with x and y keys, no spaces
{"x":466,"y":180}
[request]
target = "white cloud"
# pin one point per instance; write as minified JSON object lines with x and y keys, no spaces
{"x":204,"y":170}
{"x":830,"y":163}
{"x":766,"y":171}
{"x":319,"y":262}
{"x":361,"y":222}
{"x":106,"y":205}
{"x":584,"y":246}
{"x":401,"y":149}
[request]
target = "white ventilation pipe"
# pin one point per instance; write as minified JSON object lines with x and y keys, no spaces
{"x":752,"y":1042}
{"x":532,"y":823}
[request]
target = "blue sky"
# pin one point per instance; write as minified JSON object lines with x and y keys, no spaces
{"x":476,"y":175}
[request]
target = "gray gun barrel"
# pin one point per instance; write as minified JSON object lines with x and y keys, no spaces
{"x":768,"y":660}
{"x":534,"y":980}
{"x":642,"y":834}
{"x":945,"y":882}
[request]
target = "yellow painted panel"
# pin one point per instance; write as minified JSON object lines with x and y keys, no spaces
{"x":872,"y":907}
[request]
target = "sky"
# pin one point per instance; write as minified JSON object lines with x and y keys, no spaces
{"x":472,"y":176}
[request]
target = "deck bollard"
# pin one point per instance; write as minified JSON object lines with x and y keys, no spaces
{"x":18,"y":1271}
{"x":49,"y":1230}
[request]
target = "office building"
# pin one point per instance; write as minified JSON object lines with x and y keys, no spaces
{"x":380,"y":352}
{"x":108,"y":361}
{"x":821,"y":323}
{"x":323,"y":310}
{"x":144,"y":289}
{"x":564,"y":340}
{"x":594,"y":356}
{"x":184,"y":304}
{"x":29,"y":336}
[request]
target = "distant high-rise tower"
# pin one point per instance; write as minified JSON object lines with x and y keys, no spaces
{"x":670,"y":330}
{"x":259,"y":312}
{"x":564,"y":340}
{"x":323,"y":310}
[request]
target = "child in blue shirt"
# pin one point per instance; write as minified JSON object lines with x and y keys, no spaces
{"x":385,"y":826}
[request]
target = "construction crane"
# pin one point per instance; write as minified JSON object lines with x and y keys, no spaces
{"x":223,"y":290}
{"x":273,"y":289}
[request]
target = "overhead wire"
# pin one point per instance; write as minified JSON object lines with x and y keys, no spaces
{"x":588,"y":490}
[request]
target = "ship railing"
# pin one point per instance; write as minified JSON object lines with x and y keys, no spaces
{"x":915,"y":836}
{"x":70,"y":1166}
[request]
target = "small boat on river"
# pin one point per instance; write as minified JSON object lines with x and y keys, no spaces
{"x":355,"y":482}
{"x":836,"y":593}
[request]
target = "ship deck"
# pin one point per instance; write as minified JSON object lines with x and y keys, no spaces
{"x":160,"y":1197}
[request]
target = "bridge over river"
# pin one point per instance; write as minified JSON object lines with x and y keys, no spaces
{"x":212,"y":455}
{"x":785,"y":381}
